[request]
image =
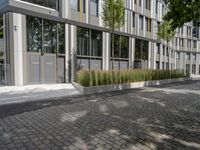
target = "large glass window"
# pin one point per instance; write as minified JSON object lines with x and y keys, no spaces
{"x":141,"y":22}
{"x":116,"y":47}
{"x":34,"y":32}
{"x":96,"y":43}
{"x":141,"y":50}
{"x":89,"y":42}
{"x":61,"y":38}
{"x":124,"y":47}
{"x":50,"y":36}
{"x":94,"y":7}
{"x":121,"y":47}
{"x":78,"y":5}
{"x":45,"y":36}
{"x":54,"y":4}
{"x":83,"y":41}
{"x":148,"y":24}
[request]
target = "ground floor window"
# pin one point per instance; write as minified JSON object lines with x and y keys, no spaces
{"x":46,"y":51}
{"x":4,"y":65}
{"x":89,"y":49}
{"x":120,"y":56}
{"x":157,"y":65}
{"x":45,"y":36}
{"x":141,"y":53}
{"x":193,"y":69}
{"x":167,"y":66}
{"x":187,"y":68}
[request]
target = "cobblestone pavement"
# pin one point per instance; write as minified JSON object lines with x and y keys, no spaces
{"x":157,"y":118}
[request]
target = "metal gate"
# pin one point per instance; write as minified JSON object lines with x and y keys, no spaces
{"x":44,"y":69}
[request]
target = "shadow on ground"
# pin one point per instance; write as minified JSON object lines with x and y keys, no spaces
{"x":153,"y":118}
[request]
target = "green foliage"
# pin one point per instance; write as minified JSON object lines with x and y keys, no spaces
{"x":182,"y":11}
{"x":98,"y":78}
{"x":165,"y":31}
{"x":113,"y":18}
{"x":113,"y":14}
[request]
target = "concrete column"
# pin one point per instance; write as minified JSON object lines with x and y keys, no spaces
{"x":154,"y":55}
{"x":132,"y":52}
{"x":72,"y":50}
{"x":150,"y":52}
{"x":106,"y":50}
{"x":137,"y":24}
{"x":100,"y":13}
{"x":161,"y":57}
{"x":17,"y":49}
{"x":65,"y":8}
{"x":87,"y":10}
{"x":67,"y":53}
{"x":175,"y":60}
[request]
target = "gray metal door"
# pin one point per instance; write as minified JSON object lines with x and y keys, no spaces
{"x":48,"y":62}
{"x":41,"y":68}
{"x":33,"y":68}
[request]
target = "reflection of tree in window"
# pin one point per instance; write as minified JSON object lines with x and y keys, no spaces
{"x":83,"y":41}
{"x":145,"y":50}
{"x":121,"y":47}
{"x":141,"y":50}
{"x":47,"y":3}
{"x":50,"y":36}
{"x":124,"y":47}
{"x":116,"y":46}
{"x":138,"y":52}
{"x":61,"y":38}
{"x":96,"y":43}
{"x":34,"y":32}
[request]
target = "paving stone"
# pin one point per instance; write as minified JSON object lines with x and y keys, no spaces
{"x":165,"y":117}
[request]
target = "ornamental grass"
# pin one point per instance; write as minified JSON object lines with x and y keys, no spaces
{"x":98,"y":78}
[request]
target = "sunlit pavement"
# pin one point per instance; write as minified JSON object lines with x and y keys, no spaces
{"x":30,"y":93}
{"x":166,"y":117}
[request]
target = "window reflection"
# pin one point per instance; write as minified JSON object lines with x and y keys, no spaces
{"x":121,"y":47}
{"x":61,"y":38}
{"x":45,"y":36}
{"x":84,"y":37}
{"x":50,"y":36}
{"x":83,"y":41}
{"x":54,"y":4}
{"x":96,"y":43}
{"x":34,"y":26}
{"x":141,"y":50}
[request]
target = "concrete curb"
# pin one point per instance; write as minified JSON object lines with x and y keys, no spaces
{"x":126,"y":86}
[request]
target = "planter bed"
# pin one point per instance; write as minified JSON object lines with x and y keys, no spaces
{"x":134,"y":85}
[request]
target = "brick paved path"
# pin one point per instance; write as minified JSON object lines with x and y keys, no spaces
{"x":152,"y":118}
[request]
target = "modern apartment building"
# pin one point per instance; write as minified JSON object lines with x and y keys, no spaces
{"x":46,"y":41}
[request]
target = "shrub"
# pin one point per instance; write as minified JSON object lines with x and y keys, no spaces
{"x":97,"y":78}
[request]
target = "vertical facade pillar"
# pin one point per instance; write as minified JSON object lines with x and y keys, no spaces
{"x":106,"y":50}
{"x":132,"y":52}
{"x":72,"y":51}
{"x":150,"y":52}
{"x":16,"y":49}
{"x":67,"y":54}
